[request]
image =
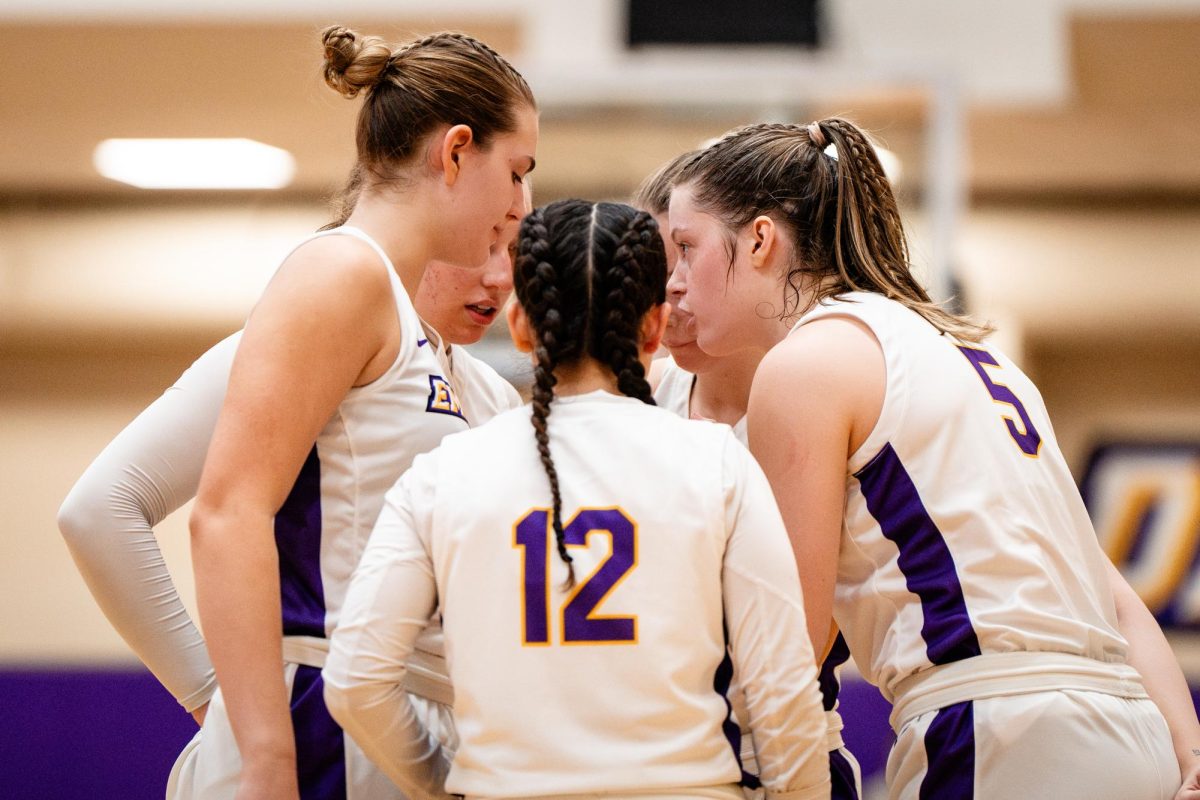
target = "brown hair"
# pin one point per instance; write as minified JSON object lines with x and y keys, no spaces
{"x":443,"y":79}
{"x":839,"y":209}
{"x":586,"y":274}
{"x":654,"y":195}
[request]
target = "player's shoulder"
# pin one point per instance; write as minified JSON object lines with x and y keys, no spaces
{"x":474,"y":451}
{"x":481,"y":442}
{"x":817,"y":356}
{"x":660,"y":369}
{"x":477,"y":373}
{"x":665,"y":424}
{"x":336,"y":268}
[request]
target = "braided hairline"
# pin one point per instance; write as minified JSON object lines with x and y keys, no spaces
{"x":482,"y":48}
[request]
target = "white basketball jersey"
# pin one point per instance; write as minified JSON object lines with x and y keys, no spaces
{"x":674,"y":393}
{"x":483,"y":392}
{"x":369,"y":442}
{"x":964,"y":532}
{"x":616,"y":685}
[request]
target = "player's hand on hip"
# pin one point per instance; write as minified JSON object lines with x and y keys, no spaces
{"x":1190,"y":790}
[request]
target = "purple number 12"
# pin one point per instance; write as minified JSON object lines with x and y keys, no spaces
{"x":579,"y":625}
{"x":1028,"y":439}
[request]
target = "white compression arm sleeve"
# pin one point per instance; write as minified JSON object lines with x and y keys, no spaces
{"x":392,"y":595}
{"x":772,"y":654}
{"x":149,"y":470}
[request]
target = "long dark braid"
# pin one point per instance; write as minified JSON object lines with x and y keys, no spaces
{"x":618,"y":292}
{"x":585,"y":274}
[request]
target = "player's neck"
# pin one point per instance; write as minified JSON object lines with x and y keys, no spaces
{"x":585,"y":375}
{"x":398,"y":229}
{"x":722,"y":392}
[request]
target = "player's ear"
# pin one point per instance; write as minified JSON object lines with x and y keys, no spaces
{"x":763,"y":237}
{"x":654,"y":325}
{"x":519,"y":328}
{"x":446,"y":151}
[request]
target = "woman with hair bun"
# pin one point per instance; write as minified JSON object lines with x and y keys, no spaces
{"x":930,"y":509}
{"x":588,"y":584}
{"x":337,"y":384}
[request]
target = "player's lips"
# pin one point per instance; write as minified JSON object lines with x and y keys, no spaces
{"x":482,"y":313}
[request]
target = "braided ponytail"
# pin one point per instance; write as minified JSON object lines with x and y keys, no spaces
{"x":839,"y":208}
{"x":585,"y":275}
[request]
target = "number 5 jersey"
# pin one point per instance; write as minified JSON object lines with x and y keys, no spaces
{"x":964,"y":533}
{"x":614,"y":685}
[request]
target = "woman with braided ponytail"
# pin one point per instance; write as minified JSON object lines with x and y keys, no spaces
{"x":336,"y":385}
{"x":695,"y":385}
{"x":930,"y":509}
{"x":587,"y":603}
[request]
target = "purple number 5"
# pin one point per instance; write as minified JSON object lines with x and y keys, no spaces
{"x":1026,"y":436}
{"x":579,"y":623}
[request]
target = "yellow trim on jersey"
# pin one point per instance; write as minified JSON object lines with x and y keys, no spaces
{"x":562,"y":614}
{"x":546,"y":583}
{"x":1016,"y":423}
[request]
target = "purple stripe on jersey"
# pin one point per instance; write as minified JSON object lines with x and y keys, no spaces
{"x":950,"y":752}
{"x":841,"y":775}
{"x":924,"y":557}
{"x":320,"y":743}
{"x":298,"y":540}
{"x":729,"y":726}
{"x":827,"y":678}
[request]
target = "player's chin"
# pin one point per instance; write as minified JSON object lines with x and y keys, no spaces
{"x":686,"y":355}
{"x":465,"y":333}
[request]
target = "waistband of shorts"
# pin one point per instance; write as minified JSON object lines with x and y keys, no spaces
{"x":833,"y":731}
{"x":997,"y":674}
{"x":833,"y":740}
{"x":424,"y":676}
{"x":310,"y":651}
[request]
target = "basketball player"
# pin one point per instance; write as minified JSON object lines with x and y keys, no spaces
{"x":695,"y":385}
{"x":334,"y":354}
{"x":927,"y":501}
{"x":586,"y":602}
{"x":154,"y":465}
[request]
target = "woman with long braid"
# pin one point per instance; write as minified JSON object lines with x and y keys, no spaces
{"x":930,"y":509}
{"x":587,"y":602}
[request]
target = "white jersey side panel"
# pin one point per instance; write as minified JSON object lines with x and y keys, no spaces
{"x":964,"y":531}
{"x":369,"y":442}
{"x":674,"y":393}
{"x":483,"y":392}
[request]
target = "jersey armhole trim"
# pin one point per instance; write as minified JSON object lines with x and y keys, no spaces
{"x":406,"y":312}
{"x":893,"y":407}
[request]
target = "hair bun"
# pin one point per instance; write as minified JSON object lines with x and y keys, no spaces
{"x":353,"y":62}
